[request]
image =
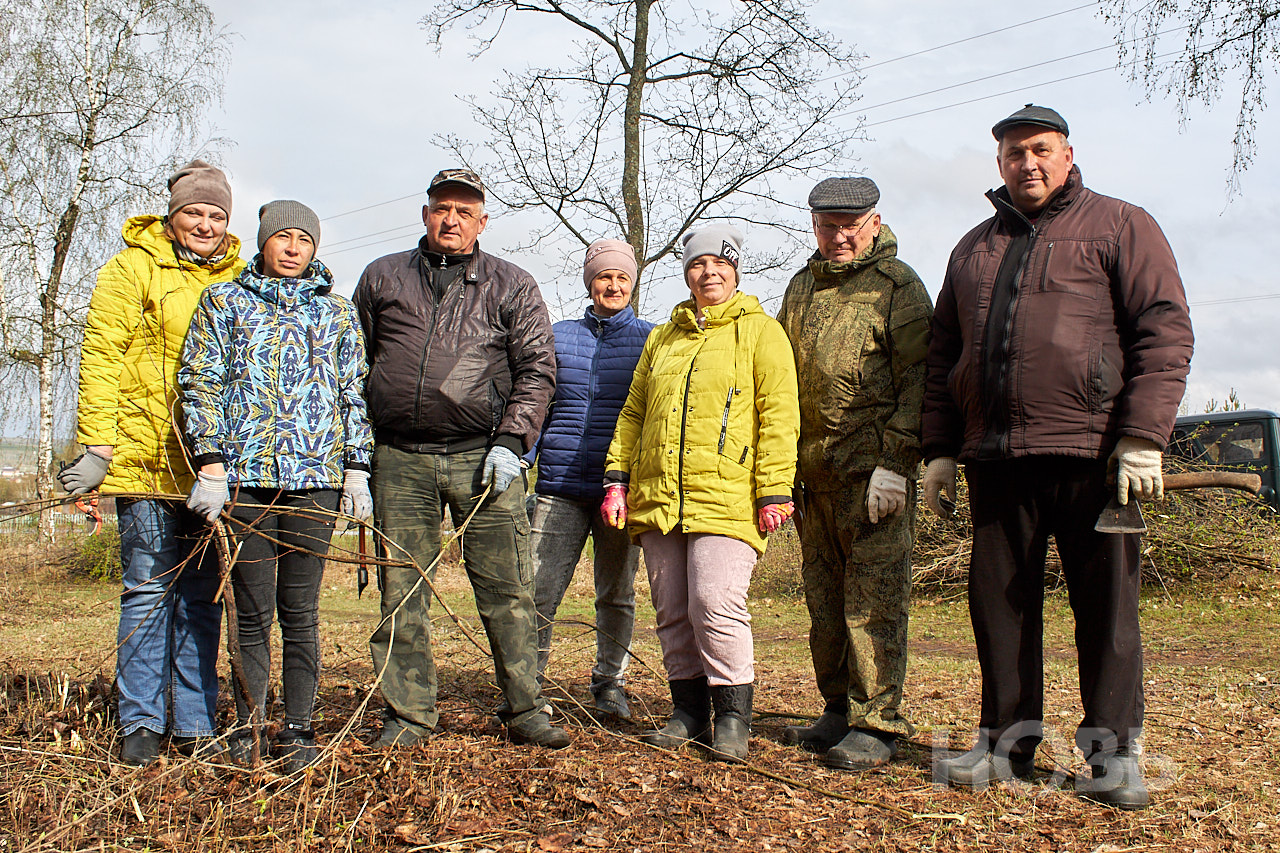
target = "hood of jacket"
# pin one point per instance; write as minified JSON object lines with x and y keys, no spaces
{"x":741,"y":304}
{"x":286,"y":291}
{"x":147,"y":233}
{"x":831,"y":273}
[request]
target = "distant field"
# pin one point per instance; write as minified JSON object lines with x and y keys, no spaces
{"x":18,"y":452}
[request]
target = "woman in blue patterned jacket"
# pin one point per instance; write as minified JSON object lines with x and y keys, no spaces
{"x":272,"y":385}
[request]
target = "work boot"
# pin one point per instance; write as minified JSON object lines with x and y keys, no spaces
{"x":538,"y":731}
{"x":732,"y":704}
{"x":298,"y":749}
{"x":139,"y":748}
{"x":611,"y":700}
{"x":862,"y":749}
{"x":828,"y":731}
{"x":397,"y":735}
{"x":690,"y":715}
{"x":1117,"y":781}
{"x":240,"y":747}
{"x":979,"y":767}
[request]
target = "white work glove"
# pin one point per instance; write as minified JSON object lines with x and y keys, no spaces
{"x":85,"y":473}
{"x":356,"y":500}
{"x":939,"y":477}
{"x":501,"y":466}
{"x":1136,"y":463}
{"x":209,"y":496}
{"x":886,"y":494}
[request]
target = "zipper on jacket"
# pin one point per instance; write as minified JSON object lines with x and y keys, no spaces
{"x":724,"y":421}
{"x":1001,"y":411}
{"x":684,"y":422}
{"x":426,"y":345}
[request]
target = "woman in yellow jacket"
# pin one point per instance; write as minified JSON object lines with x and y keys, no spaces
{"x":701,"y":469}
{"x":167,"y":647}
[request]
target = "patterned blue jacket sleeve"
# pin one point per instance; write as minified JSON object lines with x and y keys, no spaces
{"x":353,"y":370}
{"x":202,"y":376}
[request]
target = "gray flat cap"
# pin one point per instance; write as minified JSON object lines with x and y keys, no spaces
{"x":1031,"y":114}
{"x":844,"y":195}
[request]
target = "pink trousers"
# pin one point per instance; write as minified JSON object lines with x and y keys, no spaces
{"x":699,"y":585}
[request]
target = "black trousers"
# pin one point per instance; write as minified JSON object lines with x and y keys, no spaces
{"x":283,"y":542}
{"x":1016,"y":505}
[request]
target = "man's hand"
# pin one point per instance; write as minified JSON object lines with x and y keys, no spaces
{"x":356,"y":500}
{"x":501,"y":467}
{"x":86,"y":472}
{"x":772,"y":516}
{"x":614,"y":507}
{"x":1136,"y":463}
{"x":940,"y":477}
{"x":886,"y":494}
{"x":209,"y":496}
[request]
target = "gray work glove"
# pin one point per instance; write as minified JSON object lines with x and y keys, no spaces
{"x":886,"y":494}
{"x":209,"y":496}
{"x":501,"y":466}
{"x":85,"y":473}
{"x":939,"y":478}
{"x":356,"y":500}
{"x":1136,"y":463}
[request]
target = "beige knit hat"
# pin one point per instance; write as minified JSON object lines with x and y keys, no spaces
{"x":608,"y":255}
{"x":199,"y":183}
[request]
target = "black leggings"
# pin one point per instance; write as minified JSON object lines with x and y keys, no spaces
{"x":279,"y":567}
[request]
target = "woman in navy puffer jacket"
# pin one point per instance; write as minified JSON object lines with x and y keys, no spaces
{"x":595,"y":358}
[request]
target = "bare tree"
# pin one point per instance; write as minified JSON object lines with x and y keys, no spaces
{"x":98,"y":98}
{"x":669,"y":114}
{"x":1219,"y":40}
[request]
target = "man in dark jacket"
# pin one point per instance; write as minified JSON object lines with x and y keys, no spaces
{"x":858,"y":320}
{"x":1060,"y":350}
{"x":596,"y":355}
{"x":462,"y":369}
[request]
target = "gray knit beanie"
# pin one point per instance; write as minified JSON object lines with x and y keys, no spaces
{"x":278,"y":215}
{"x":719,"y":238}
{"x":199,"y":183}
{"x":608,"y":255}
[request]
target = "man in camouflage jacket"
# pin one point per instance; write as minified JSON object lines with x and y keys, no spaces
{"x":858,"y":319}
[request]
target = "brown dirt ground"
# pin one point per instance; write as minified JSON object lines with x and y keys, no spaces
{"x":1211,"y":743}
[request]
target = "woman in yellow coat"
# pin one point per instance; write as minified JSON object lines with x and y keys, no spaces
{"x":701,"y":469}
{"x":167,"y":647}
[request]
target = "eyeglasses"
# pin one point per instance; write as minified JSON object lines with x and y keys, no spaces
{"x":829,"y":231}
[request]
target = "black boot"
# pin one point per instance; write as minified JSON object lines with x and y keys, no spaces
{"x":732,"y":703}
{"x":139,"y":748}
{"x":690,"y":715}
{"x":298,"y":749}
{"x":1117,"y":781}
{"x":826,"y":732}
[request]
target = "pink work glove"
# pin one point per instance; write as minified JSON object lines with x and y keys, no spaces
{"x":770,"y":518}
{"x":614,"y":508}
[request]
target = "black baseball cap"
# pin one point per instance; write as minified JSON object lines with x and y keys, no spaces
{"x":1032,"y":114}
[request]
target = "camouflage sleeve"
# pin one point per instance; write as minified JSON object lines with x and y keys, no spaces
{"x":908,"y":331}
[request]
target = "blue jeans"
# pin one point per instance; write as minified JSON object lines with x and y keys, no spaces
{"x":167,"y":646}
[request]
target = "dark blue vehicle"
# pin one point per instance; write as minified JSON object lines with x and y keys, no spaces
{"x":1244,"y":440}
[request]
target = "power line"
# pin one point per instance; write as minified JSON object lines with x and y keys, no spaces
{"x":370,"y":207}
{"x":1235,"y":299}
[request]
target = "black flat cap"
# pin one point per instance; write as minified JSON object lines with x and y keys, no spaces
{"x":844,"y":195}
{"x":457,"y":177}
{"x":1031,"y":114}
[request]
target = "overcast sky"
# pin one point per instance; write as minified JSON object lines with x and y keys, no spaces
{"x":336,"y":104}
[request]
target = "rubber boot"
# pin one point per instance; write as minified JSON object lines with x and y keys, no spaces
{"x":690,"y":715}
{"x":826,"y":732}
{"x":732,"y":704}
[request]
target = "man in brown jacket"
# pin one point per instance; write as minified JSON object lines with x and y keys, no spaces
{"x":1060,"y":349}
{"x":461,"y":371}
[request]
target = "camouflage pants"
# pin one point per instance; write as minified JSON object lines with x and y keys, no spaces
{"x":410,"y":491}
{"x":857,"y":582}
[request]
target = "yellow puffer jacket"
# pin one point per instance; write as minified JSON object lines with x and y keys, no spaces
{"x":708,"y":433}
{"x":138,"y":318}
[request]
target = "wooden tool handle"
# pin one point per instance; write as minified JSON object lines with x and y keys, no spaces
{"x":1251,"y":483}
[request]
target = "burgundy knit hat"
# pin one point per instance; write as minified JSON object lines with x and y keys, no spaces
{"x":199,"y":183}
